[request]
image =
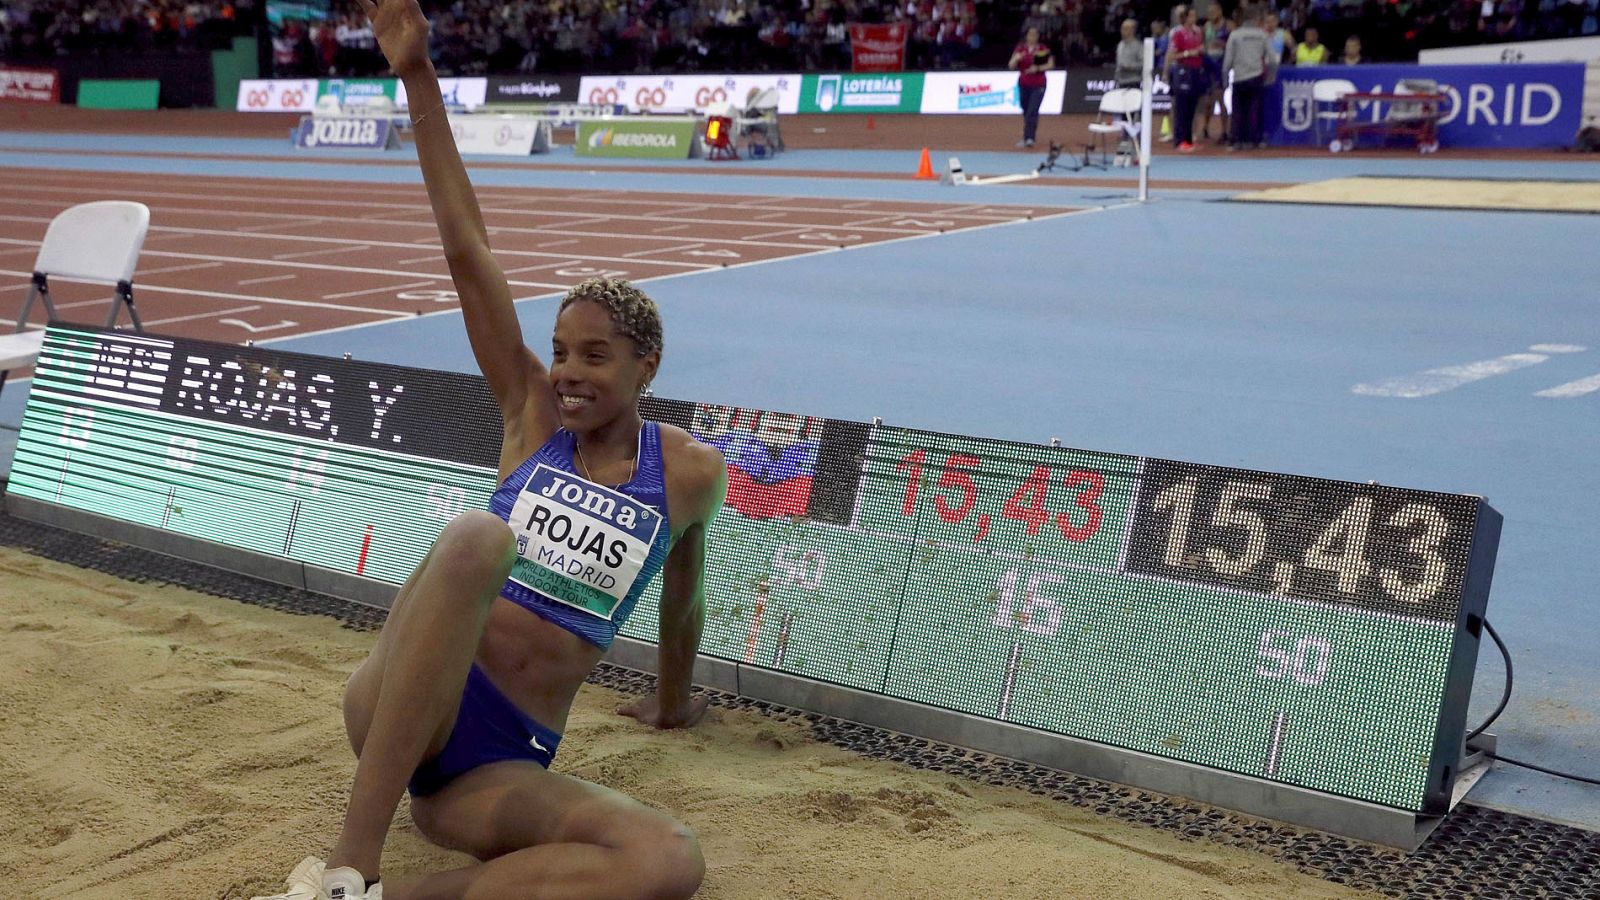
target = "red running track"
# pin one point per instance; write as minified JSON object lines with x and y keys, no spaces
{"x":236,"y":259}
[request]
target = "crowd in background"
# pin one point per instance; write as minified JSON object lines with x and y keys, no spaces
{"x":557,"y":36}
{"x":565,"y":36}
{"x":39,"y":29}
{"x":1087,"y":31}
{"x":472,"y":37}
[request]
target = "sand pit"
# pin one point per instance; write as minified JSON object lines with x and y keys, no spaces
{"x":160,"y":742}
{"x":1441,"y":193}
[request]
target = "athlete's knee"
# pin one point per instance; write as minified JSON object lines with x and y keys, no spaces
{"x":667,"y":861}
{"x":476,"y":548}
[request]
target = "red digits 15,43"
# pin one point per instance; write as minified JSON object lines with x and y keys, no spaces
{"x":1027,"y":504}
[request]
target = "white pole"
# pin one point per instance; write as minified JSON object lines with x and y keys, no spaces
{"x":1147,"y":120}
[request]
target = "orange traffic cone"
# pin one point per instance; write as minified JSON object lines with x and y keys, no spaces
{"x":925,"y":167}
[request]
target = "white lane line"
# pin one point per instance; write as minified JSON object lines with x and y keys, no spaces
{"x":204,"y":315}
{"x":1448,"y":378}
{"x":669,"y":228}
{"x":269,"y":278}
{"x":362,"y":197}
{"x":324,"y":267}
{"x":294,"y":220}
{"x":153,"y":288}
{"x":305,"y":253}
{"x":379,"y":290}
{"x":676,"y":210}
{"x":568,"y":218}
{"x":640,"y":236}
{"x":436,"y":257}
{"x":556,"y":243}
{"x":1572,"y":388}
{"x":188,"y":268}
{"x":772,"y":215}
{"x":555,"y":265}
{"x":411,"y":246}
{"x":665,"y":250}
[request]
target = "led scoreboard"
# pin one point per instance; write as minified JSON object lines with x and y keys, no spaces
{"x":1313,"y":633}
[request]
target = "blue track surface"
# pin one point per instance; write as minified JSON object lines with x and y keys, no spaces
{"x":1213,"y":332}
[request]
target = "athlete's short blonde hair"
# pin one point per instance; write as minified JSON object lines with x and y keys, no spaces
{"x":633,"y":314}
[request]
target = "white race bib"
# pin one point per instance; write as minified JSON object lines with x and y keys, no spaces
{"x":580,"y":543}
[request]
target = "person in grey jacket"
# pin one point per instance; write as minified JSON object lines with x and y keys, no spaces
{"x":1130,"y":56}
{"x":1249,"y":57}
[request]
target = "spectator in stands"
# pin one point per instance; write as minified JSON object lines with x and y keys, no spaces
{"x":1352,"y":51}
{"x":1160,"y":40}
{"x":1186,"y":74}
{"x":1249,"y":59}
{"x":1031,"y":59}
{"x":1311,"y":52}
{"x":1281,"y":40}
{"x":1216,"y":31}
{"x":1130,"y":56}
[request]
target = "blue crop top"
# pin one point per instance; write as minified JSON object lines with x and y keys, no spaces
{"x":586,"y":552}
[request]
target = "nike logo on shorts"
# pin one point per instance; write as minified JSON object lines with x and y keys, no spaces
{"x":538,"y":746}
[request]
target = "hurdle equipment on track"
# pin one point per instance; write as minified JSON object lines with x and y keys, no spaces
{"x":957,"y":176}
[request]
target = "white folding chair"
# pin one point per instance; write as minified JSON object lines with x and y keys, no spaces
{"x":762,"y":116}
{"x":94,"y":242}
{"x":1119,"y":121}
{"x":1327,"y":97}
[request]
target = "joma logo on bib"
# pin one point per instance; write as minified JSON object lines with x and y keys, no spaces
{"x":580,"y":543}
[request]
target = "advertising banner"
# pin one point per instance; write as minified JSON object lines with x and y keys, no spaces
{"x":501,"y":135}
{"x":1087,"y":86}
{"x":986,"y":93}
{"x":119,"y":93}
{"x":356,"y":91}
{"x":1528,"y":105}
{"x":459,"y":93}
{"x":532,"y":89}
{"x":896,"y":93}
{"x":878,"y":48}
{"x":264,"y":95}
{"x":658,"y":137}
{"x":346,"y":134}
{"x":1110,"y":598}
{"x":685,"y":93}
{"x":1580,"y":49}
{"x":30,"y":85}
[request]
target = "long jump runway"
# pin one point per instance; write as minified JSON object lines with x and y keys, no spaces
{"x":235,"y":259}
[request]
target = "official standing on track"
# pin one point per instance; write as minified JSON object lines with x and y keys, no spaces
{"x":468,"y":687}
{"x":1032,"y":59}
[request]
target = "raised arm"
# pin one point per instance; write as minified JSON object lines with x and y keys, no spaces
{"x":515,"y":374}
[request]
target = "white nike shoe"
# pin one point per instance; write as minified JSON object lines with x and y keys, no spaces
{"x":304,"y":883}
{"x":345,"y":883}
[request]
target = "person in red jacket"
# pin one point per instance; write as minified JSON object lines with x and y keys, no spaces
{"x":1186,"y":74}
{"x":1032,"y":59}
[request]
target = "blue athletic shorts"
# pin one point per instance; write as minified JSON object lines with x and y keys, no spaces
{"x":489,"y":728}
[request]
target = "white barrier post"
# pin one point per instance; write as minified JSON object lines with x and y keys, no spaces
{"x":1146,"y":117}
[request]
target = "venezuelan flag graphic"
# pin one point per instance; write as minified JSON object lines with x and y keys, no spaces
{"x":764,"y":481}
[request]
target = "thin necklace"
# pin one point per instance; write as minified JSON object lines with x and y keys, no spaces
{"x":634,"y":470}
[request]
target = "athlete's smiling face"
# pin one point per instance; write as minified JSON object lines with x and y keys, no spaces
{"x":596,"y":372}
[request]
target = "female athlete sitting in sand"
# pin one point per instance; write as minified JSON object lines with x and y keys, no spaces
{"x":468,"y":688}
